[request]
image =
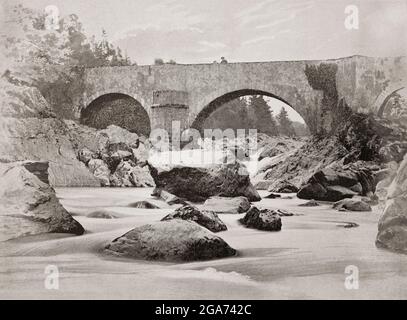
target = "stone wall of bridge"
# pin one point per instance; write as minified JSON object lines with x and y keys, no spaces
{"x":185,"y":92}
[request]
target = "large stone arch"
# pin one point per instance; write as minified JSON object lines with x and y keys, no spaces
{"x":287,"y":94}
{"x":116,"y":108}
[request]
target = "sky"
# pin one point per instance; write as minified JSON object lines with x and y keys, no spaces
{"x":197,"y":31}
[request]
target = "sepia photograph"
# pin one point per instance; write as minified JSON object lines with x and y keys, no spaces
{"x":186,"y":150}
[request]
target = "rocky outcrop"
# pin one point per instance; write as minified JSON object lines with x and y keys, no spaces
{"x":206,"y":219}
{"x":352,"y":205}
{"x":28,"y":205}
{"x":358,"y":138}
{"x":200,"y":183}
{"x":338,"y":181}
{"x":297,"y":166}
{"x":173,"y":240}
{"x":29,"y":130}
{"x":263,"y":219}
{"x":275,"y":146}
{"x":117,"y":158}
{"x":227,"y":205}
{"x":392,"y":230}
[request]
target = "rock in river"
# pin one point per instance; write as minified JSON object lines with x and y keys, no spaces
{"x":282,"y":186}
{"x":143,"y":205}
{"x":352,"y":205}
{"x":311,"y":203}
{"x":206,"y":219}
{"x":28,"y":205}
{"x":263,"y":219}
{"x":173,"y":240}
{"x":200,"y":183}
{"x":227,"y":205}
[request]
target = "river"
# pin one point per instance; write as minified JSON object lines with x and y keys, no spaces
{"x":306,"y":259}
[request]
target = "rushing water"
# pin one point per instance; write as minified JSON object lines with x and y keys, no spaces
{"x":306,"y":259}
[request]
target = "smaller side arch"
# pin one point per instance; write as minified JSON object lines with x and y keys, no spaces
{"x":383,"y":100}
{"x":88,"y":99}
{"x":117,"y":109}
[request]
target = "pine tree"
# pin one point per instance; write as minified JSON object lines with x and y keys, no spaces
{"x":261,"y":117}
{"x":285,"y":124}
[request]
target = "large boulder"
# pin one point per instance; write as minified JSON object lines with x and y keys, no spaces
{"x":173,"y":240}
{"x":339,"y":181}
{"x":263,"y":219}
{"x":200,"y":183}
{"x":206,"y":219}
{"x":28,"y":204}
{"x":227,"y":205}
{"x":392,"y":233}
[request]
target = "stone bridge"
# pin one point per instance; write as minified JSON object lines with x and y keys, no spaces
{"x":190,"y":92}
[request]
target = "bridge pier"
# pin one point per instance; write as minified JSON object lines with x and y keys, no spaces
{"x":169,"y":106}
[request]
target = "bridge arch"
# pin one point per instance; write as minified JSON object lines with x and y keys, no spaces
{"x":383,"y":99}
{"x":116,"y":108}
{"x":292,"y":98}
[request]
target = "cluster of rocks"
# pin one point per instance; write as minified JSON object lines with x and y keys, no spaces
{"x":338,"y":181}
{"x":118,"y":158}
{"x":184,"y":234}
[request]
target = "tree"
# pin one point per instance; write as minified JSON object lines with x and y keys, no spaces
{"x":230,"y":115}
{"x":285,"y":124}
{"x":261,"y":117}
{"x":48,"y":58}
{"x":158,"y":61}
